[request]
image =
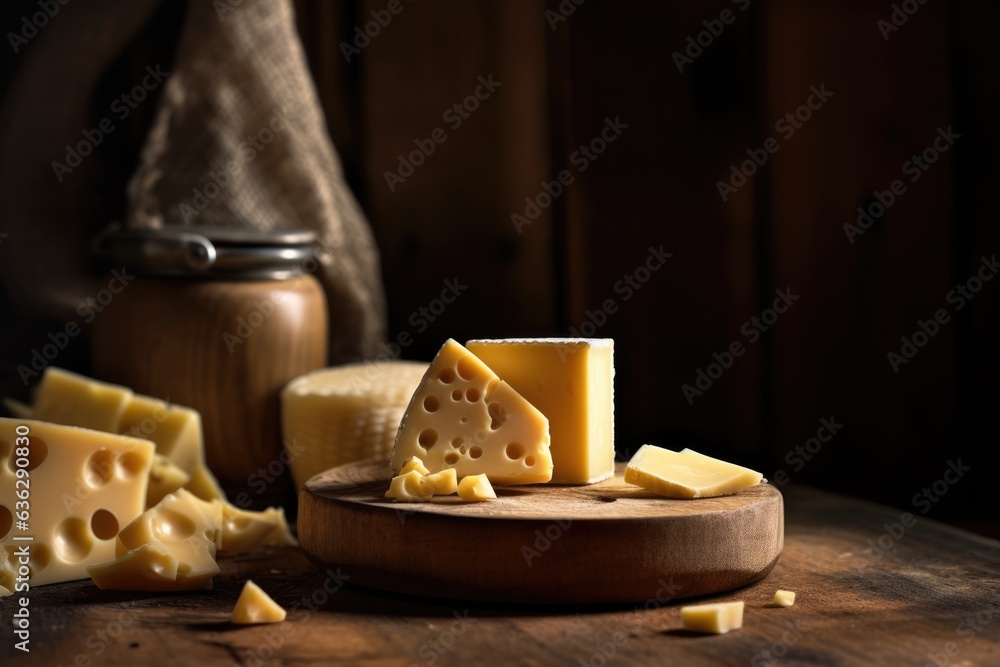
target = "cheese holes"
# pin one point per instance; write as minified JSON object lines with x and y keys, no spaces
{"x":73,"y":541}
{"x":514,"y":451}
{"x":452,"y":458}
{"x":462,"y":450}
{"x":427,"y":438}
{"x":130,"y":465}
{"x":498,"y":415}
{"x":172,"y":525}
{"x":104,"y":524}
{"x":100,"y":468}
{"x":466,"y":369}
{"x":472,"y":394}
{"x":529,"y":461}
{"x":431,"y":404}
{"x":6,"y":521}
{"x":39,"y":559}
{"x":456,"y":442}
{"x":475,"y":452}
{"x":38,"y":451}
{"x":447,"y":376}
{"x":456,"y":395}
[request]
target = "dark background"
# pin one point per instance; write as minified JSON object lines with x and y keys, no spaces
{"x":656,"y":184}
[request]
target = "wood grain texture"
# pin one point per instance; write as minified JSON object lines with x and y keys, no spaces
{"x":182,"y":341}
{"x":605,"y":542}
{"x":852,"y":608}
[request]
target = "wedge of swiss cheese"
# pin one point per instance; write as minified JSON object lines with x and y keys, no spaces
{"x":463,"y":416}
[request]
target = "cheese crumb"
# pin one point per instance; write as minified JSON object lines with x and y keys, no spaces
{"x":784,"y":598}
{"x":717,"y":618}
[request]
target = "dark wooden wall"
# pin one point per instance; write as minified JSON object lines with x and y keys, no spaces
{"x":656,"y":185}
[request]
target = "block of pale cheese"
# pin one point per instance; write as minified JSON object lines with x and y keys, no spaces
{"x":256,"y":606}
{"x":177,"y":432}
{"x":463,"y":416}
{"x":476,"y":487}
{"x":409,"y":487}
{"x":67,"y":398}
{"x":686,"y":474}
{"x":414,"y":463}
{"x":784,"y":598}
{"x":81,"y":486}
{"x":571,"y":381}
{"x":717,"y":618}
{"x":75,"y":400}
{"x":164,"y":477}
{"x":347,"y":413}
{"x":151,"y":567}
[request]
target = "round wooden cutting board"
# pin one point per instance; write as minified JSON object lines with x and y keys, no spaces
{"x":603,"y":543}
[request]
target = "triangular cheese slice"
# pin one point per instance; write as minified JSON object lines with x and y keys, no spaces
{"x":463,"y":416}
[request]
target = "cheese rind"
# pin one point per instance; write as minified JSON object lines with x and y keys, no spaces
{"x":476,"y":487}
{"x":716,"y":618}
{"x":256,"y":606}
{"x":571,"y":381}
{"x":84,"y":485}
{"x":343,"y":414}
{"x":687,"y":474}
{"x":463,"y":416}
{"x":784,"y":598}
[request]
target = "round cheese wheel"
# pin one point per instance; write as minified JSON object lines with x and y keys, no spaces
{"x":348,"y":413}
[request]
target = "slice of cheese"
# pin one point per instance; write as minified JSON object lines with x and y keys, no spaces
{"x":686,"y":474}
{"x":177,"y":432}
{"x":414,"y":463}
{"x":571,"y":381}
{"x":717,"y":618}
{"x":344,"y":414}
{"x":67,"y":398}
{"x":170,"y":546}
{"x":154,"y":567}
{"x":784,"y":598}
{"x":463,"y":416}
{"x":164,"y":477}
{"x":243,"y":530}
{"x":409,"y":487}
{"x":476,"y":487}
{"x":256,"y":606}
{"x":75,"y":400}
{"x":83,"y":486}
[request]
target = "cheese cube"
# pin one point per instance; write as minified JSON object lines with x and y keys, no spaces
{"x":82,"y":486}
{"x":686,"y":474}
{"x":409,"y":488}
{"x":164,"y":477}
{"x":784,"y":598}
{"x":414,"y":463}
{"x":476,"y":487}
{"x":463,"y":416}
{"x":717,"y":618}
{"x":243,"y":530}
{"x":256,"y":606}
{"x":442,"y":483}
{"x":343,"y":414}
{"x":571,"y":381}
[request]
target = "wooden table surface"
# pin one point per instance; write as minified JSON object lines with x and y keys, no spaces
{"x":869,"y":592}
